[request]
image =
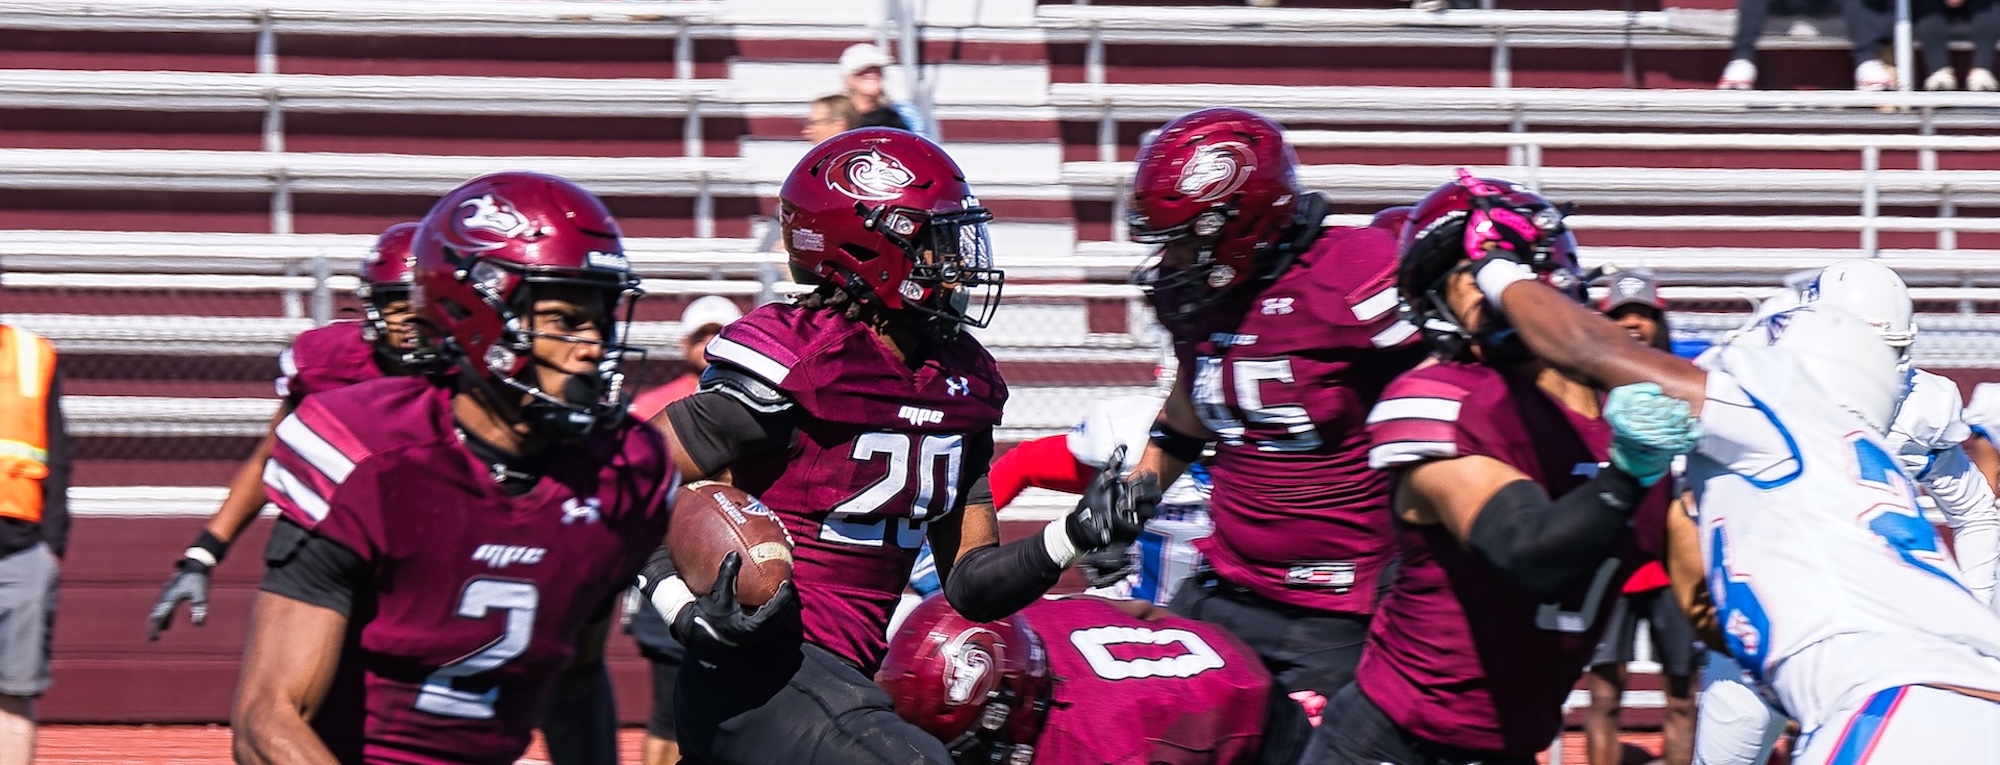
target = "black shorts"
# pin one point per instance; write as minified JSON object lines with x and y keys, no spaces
{"x":1674,"y":643}
{"x":1356,"y":732}
{"x":1309,"y":653}
{"x":791,"y":703}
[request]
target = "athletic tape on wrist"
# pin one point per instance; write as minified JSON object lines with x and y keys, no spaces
{"x":1495,"y":276}
{"x":670,"y":596}
{"x":1056,"y":542}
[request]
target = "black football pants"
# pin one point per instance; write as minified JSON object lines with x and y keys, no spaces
{"x":791,"y":703}
{"x":1356,"y":732}
{"x":1305,"y":650}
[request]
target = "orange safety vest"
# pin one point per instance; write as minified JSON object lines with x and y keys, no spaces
{"x":27,"y":366}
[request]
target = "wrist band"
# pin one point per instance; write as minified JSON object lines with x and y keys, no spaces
{"x":1495,"y":275}
{"x":208,"y":549}
{"x":1056,"y":542}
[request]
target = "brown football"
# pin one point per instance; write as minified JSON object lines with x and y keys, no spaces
{"x":714,"y":519}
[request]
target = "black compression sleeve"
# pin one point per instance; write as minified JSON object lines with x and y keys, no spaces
{"x":717,"y":429}
{"x":978,"y":463}
{"x":992,"y":582}
{"x":310,"y":568}
{"x":1551,"y":547}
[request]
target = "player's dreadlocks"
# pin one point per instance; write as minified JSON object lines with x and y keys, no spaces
{"x":831,"y":297}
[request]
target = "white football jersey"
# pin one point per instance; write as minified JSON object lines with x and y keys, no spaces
{"x":1166,"y":548}
{"x":1829,"y":582}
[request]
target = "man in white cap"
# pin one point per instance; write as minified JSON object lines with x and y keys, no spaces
{"x":700,"y":321}
{"x":861,"y":68}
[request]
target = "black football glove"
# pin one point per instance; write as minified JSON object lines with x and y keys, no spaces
{"x":190,"y":583}
{"x":1113,"y":510}
{"x":717,"y":620}
{"x":1109,"y":566}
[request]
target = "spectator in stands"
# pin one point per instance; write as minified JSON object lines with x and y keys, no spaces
{"x":861,"y":67}
{"x":701,"y":320}
{"x":1634,"y":302}
{"x":1933,"y":30}
{"x":830,"y":116}
{"x":1741,"y":72}
{"x":34,"y":530}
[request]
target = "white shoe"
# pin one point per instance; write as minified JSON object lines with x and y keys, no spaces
{"x":1981,"y":80}
{"x":1942,"y":79}
{"x":1740,"y":74}
{"x":1873,"y":75}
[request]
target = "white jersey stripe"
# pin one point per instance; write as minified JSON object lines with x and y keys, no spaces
{"x":744,"y":356}
{"x":1396,"y":333}
{"x":1442,"y":409}
{"x":282,"y":483}
{"x":1376,"y":305}
{"x":323,"y":456}
{"x":1406,"y":452}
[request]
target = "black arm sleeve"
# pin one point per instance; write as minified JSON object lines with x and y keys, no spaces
{"x":1551,"y":547}
{"x":994,"y":581}
{"x":310,"y":568}
{"x":734,"y":414}
{"x":978,"y":463}
{"x":55,"y":486}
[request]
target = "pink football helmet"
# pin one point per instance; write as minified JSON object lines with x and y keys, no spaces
{"x":1468,"y":220}
{"x":480,"y":256}
{"x":982,"y":689}
{"x":887,"y":216}
{"x":1224,"y":178}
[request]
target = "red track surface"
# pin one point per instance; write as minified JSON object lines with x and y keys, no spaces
{"x":209,"y":745}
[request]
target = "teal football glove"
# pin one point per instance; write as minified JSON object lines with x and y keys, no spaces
{"x":1648,"y":430}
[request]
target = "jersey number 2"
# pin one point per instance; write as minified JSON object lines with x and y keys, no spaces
{"x":519,"y":600}
{"x":1211,"y":402}
{"x":859,"y":519}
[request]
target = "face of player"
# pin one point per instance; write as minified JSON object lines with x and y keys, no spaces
{"x":1462,"y":296}
{"x":1639,"y":323}
{"x":821,"y":124}
{"x":399,"y":320}
{"x":568,"y":323}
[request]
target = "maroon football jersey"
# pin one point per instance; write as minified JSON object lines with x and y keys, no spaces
{"x":1284,"y":377}
{"x":879,"y":455}
{"x":1134,"y":692}
{"x":1459,"y":655}
{"x":477,"y":595}
{"x":325,"y":358}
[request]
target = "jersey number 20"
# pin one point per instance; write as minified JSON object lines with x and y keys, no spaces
{"x":860,"y":520}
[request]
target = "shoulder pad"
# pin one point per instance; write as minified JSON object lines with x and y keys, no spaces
{"x":1930,"y":414}
{"x":737,"y":383}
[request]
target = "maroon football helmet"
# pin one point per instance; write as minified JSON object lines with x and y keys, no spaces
{"x":386,"y":274}
{"x":480,"y":257}
{"x":1468,"y":220}
{"x":1392,"y":219}
{"x":1226,"y":179}
{"x":887,"y":216}
{"x":982,"y":689}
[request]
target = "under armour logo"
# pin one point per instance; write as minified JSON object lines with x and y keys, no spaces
{"x":957,"y":386}
{"x":584,"y":510}
{"x":1277,"y":306}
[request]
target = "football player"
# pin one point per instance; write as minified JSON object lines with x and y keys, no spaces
{"x":444,"y":539}
{"x":1080,"y":680}
{"x":342,"y":353}
{"x":1165,"y":554}
{"x":1286,"y":332}
{"x":862,"y":414}
{"x":1831,"y":586}
{"x":1522,"y":502}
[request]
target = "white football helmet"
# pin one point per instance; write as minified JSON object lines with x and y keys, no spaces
{"x":1871,"y":291}
{"x":1845,"y":357}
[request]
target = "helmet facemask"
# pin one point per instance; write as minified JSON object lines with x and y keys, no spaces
{"x":584,"y":401}
{"x":384,"y":333}
{"x":952,"y":283}
{"x":1180,"y":290}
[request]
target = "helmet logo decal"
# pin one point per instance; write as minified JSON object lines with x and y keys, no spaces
{"x":869,"y":175}
{"x":1216,"y":171}
{"x":966,"y":664}
{"x":490,"y":222}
